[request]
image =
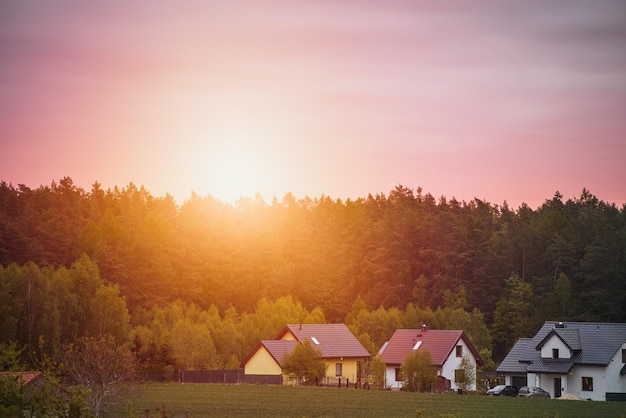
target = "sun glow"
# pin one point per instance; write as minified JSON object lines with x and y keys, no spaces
{"x":237,"y":171}
{"x":231,"y":144}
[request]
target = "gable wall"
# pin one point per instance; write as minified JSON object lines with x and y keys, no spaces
{"x":288,"y":336}
{"x":452,"y":363}
{"x":262,"y":363}
{"x":614,"y":381}
{"x":555,"y":342}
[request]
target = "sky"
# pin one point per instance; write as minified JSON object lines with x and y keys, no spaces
{"x":495,"y":100}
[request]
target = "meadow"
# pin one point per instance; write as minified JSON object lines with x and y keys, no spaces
{"x":211,"y":400}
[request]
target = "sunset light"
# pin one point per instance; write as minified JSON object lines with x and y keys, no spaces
{"x":338,"y":99}
{"x":387,"y":195}
{"x":237,"y":172}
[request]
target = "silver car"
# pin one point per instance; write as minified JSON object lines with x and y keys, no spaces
{"x":532,"y":392}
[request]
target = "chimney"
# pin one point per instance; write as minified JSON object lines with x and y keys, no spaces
{"x":300,"y":327}
{"x":424,"y":328}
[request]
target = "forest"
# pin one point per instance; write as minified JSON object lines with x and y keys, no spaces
{"x":196,"y":285}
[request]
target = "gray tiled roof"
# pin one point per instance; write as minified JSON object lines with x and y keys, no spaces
{"x":512,"y":363}
{"x":551,"y":366}
{"x":599,"y":341}
{"x":569,"y":336}
{"x":593,"y":343}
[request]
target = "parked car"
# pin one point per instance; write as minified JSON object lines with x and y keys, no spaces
{"x":503,"y":390}
{"x":532,"y":392}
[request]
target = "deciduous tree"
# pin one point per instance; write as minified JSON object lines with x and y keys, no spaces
{"x":418,"y":372}
{"x":103,"y":367}
{"x":305,"y":364}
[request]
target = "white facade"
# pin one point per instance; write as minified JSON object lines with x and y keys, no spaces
{"x":584,"y":381}
{"x":555,"y":343}
{"x":453,"y":362}
{"x":390,"y":378}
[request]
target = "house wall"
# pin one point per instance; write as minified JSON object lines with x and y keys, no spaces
{"x":288,"y":336}
{"x":390,"y":377}
{"x":262,"y":363}
{"x":599,"y":382}
{"x":349,"y":369}
{"x":452,"y":363}
{"x":546,"y":382}
{"x":555,"y":342}
{"x":572,"y":382}
{"x":615,"y":382}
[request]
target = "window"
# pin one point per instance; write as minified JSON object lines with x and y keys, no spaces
{"x":398,"y":376}
{"x":459,"y":376}
{"x":555,"y":353}
{"x":417,"y":345}
{"x":623,"y":355}
{"x":588,"y":384}
{"x":338,"y":367}
{"x":315,"y":341}
{"x":459,"y":351}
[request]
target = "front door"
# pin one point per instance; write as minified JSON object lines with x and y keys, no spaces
{"x":557,"y":387}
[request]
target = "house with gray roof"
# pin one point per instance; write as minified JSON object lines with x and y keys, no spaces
{"x":586,"y":359}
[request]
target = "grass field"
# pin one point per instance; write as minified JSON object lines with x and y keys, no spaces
{"x":203,"y":400}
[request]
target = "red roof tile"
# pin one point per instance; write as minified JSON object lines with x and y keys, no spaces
{"x":23,"y":378}
{"x":440,"y":343}
{"x":335,"y":340}
{"x":278,"y":349}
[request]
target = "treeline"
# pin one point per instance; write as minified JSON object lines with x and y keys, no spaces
{"x":566,"y":258}
{"x":46,"y":310}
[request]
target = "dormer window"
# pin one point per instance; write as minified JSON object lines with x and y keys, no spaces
{"x":555,"y":353}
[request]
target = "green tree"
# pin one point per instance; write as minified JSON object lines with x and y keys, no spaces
{"x":513,"y":317}
{"x":193,"y":347}
{"x":563,"y":290}
{"x":110,"y":314}
{"x":417,"y":372}
{"x":488,"y":363}
{"x":305,"y":364}
{"x":456,"y":300}
{"x":377,"y":368}
{"x":10,"y":357}
{"x":467,"y":372}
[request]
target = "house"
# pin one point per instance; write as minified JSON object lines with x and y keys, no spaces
{"x":342,"y":352}
{"x":446,"y":347}
{"x":585,"y":359}
{"x":24,"y":379}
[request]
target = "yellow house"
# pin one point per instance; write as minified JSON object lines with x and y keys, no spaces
{"x":341,"y":351}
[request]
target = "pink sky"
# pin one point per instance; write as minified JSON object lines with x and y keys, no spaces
{"x":499,"y":100}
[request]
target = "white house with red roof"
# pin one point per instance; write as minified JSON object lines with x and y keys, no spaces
{"x":342,"y":352}
{"x":446,"y":347}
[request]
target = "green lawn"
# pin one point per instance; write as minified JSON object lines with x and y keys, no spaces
{"x":203,"y":400}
